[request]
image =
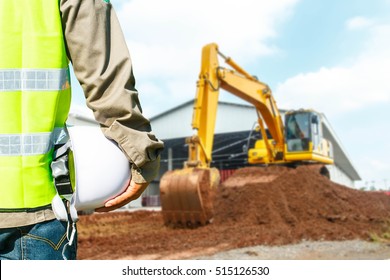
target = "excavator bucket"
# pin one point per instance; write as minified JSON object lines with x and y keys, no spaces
{"x":187,"y":196}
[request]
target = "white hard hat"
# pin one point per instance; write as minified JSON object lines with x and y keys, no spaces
{"x":100,"y":168}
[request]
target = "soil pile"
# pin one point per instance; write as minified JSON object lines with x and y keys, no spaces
{"x":297,"y":204}
{"x":255,"y":206}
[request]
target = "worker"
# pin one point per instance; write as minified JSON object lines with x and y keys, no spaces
{"x":38,"y":40}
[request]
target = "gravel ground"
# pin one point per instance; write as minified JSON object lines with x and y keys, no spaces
{"x":320,"y":250}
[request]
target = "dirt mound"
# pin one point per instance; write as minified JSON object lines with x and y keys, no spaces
{"x":255,"y":206}
{"x":301,"y":204}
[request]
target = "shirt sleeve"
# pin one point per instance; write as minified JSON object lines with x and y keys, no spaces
{"x":101,"y":61}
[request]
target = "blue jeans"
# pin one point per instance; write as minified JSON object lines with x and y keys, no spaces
{"x":43,"y":241}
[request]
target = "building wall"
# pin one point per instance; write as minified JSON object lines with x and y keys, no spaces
{"x":232,"y":118}
{"x":173,"y":125}
{"x":339,"y":176}
{"x":178,"y":123}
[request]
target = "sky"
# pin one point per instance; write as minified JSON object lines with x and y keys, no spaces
{"x":331,"y":56}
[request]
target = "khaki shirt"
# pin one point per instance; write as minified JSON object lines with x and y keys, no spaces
{"x":101,"y":61}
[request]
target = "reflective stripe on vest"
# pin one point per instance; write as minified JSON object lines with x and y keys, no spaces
{"x":33,"y":79}
{"x":29,"y":144}
{"x":34,"y":100}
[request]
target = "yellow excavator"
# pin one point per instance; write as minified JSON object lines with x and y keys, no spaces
{"x":187,"y":194}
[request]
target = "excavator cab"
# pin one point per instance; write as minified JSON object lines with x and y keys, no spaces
{"x":298,"y":134}
{"x":304,"y":138}
{"x":303,"y":142}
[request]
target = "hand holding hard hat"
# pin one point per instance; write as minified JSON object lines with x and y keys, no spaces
{"x":101,"y":170}
{"x":132,"y":192}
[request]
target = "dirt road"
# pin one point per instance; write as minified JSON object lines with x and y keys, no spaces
{"x":318,"y":250}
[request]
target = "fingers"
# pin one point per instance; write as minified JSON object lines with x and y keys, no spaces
{"x":132,"y":192}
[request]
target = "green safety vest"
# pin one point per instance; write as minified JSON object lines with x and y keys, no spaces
{"x":34,"y":100}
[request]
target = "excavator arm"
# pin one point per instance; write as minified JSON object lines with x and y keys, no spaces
{"x":237,"y":81}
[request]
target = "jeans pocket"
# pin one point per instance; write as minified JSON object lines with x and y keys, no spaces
{"x":46,"y":241}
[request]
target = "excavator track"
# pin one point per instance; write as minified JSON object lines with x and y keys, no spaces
{"x":187,"y":196}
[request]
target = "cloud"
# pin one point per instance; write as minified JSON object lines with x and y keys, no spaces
{"x":354,"y":84}
{"x":358,"y":22}
{"x":165,"y":40}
